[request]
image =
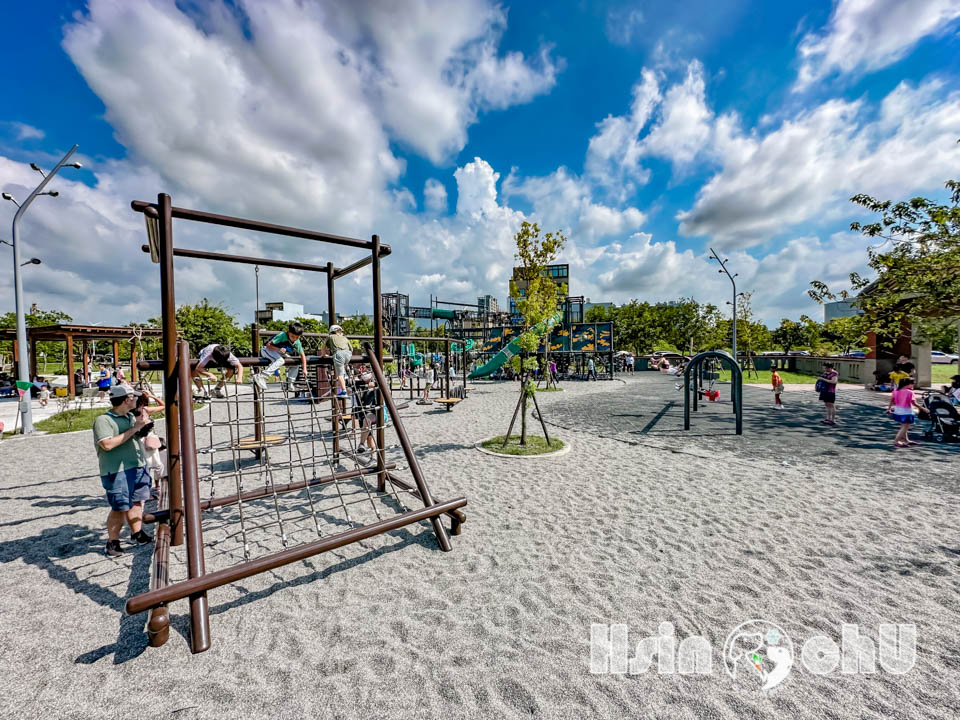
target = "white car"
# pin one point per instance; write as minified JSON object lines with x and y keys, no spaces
{"x":942,"y":358}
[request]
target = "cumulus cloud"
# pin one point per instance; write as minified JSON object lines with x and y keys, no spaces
{"x":654,"y":271}
{"x":866,"y":35}
{"x":435,"y":196}
{"x":567,"y":200}
{"x":674,"y":124}
{"x":807,"y":167}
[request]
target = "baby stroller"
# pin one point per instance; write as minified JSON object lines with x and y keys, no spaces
{"x":944,"y":418}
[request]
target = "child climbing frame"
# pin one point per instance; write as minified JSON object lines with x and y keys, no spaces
{"x":291,"y":500}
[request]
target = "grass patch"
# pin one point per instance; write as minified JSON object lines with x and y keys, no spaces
{"x":941,"y":373}
{"x":536,"y":445}
{"x":66,"y":421}
{"x":763,"y":377}
{"x":73,"y":420}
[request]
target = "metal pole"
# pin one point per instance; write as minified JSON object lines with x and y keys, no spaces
{"x":168,"y":314}
{"x":199,"y":608}
{"x":385,"y":391}
{"x":23,"y":367}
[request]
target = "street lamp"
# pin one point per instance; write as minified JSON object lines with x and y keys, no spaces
{"x":723,"y":266}
{"x":31,"y":261}
{"x":23,"y":368}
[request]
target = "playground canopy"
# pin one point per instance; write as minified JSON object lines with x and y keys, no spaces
{"x":69,"y":334}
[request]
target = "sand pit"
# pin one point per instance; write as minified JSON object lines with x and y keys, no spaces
{"x":629,"y":527}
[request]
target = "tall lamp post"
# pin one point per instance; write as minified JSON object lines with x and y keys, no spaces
{"x":23,"y":367}
{"x":723,"y":269}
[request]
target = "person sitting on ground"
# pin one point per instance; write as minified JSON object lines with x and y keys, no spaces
{"x":901,"y":406}
{"x":123,"y":472}
{"x":827,"y":385}
{"x":220,"y":356}
{"x":777,"y":382}
{"x":340,"y":348}
{"x":277,"y":350}
{"x":900,"y":371}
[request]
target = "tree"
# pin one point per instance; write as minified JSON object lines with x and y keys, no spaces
{"x":917,"y":266}
{"x":206,"y":323}
{"x":536,"y":304}
{"x":846,"y":333}
{"x":789,"y":334}
{"x":40,"y":318}
{"x":686,"y":324}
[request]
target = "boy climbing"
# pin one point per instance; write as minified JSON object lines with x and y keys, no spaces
{"x":339,"y":347}
{"x":277,"y":350}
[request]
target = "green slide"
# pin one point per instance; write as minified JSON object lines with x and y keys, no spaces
{"x":513,"y":348}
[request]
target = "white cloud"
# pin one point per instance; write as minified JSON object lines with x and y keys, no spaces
{"x":655,"y":271}
{"x":565,"y":201}
{"x":685,"y":124}
{"x":678,"y":127}
{"x":27,"y":132}
{"x":435,"y":196}
{"x":866,"y":35}
{"x":622,"y":25}
{"x":807,"y":168}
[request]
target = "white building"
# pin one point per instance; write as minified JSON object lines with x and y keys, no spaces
{"x":840,"y":309}
{"x":287,"y":312}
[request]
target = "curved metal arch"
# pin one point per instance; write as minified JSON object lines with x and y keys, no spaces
{"x":736,"y":394}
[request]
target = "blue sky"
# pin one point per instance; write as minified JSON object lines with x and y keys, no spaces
{"x":647,"y":131}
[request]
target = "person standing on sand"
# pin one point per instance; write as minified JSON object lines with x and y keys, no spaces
{"x":123,"y":472}
{"x":777,"y":383}
{"x":827,"y":386}
{"x":901,"y":406}
{"x":591,"y":369}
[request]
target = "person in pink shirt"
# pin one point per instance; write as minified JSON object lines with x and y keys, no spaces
{"x":901,"y":407}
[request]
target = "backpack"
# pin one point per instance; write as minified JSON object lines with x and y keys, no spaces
{"x":821,"y":385}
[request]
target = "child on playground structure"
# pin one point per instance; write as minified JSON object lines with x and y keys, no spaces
{"x":277,"y":349}
{"x":901,"y":406}
{"x":777,"y":383}
{"x":431,"y":377}
{"x":339,"y":347}
{"x":220,"y":357}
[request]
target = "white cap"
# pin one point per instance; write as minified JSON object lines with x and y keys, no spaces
{"x":334,"y":328}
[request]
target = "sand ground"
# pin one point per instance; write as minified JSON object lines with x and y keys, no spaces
{"x":639,"y":524}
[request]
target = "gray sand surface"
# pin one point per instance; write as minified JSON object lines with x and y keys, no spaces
{"x":704,"y":531}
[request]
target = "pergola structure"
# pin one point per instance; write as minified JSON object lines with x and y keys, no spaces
{"x":84,"y":334}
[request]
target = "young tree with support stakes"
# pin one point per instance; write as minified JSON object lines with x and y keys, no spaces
{"x":536,"y":304}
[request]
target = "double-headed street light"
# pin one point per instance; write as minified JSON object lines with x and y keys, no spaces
{"x":723,"y":266}
{"x":23,"y":367}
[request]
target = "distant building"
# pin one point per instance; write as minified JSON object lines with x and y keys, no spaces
{"x":287,"y":312}
{"x":487,"y":304}
{"x":840,"y":309}
{"x":560,"y":274}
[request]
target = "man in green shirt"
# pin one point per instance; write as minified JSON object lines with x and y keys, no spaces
{"x":123,"y":472}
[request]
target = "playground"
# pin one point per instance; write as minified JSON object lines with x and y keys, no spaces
{"x":629,"y":527}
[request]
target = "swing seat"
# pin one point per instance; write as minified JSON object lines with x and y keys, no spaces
{"x":448,"y":403}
